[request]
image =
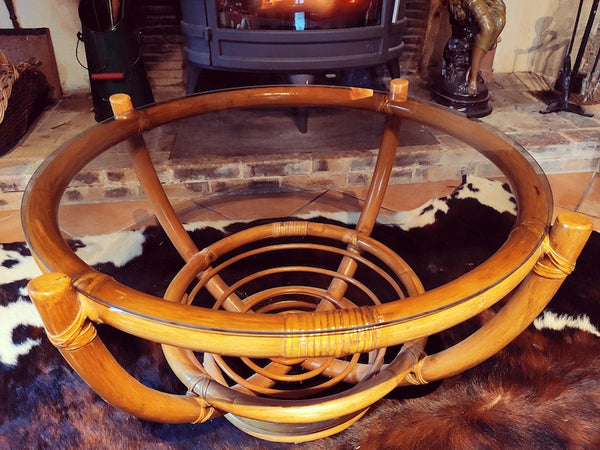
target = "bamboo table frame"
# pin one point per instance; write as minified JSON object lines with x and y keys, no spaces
{"x":323,"y":335}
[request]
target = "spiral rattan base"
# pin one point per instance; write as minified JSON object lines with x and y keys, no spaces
{"x":327,"y":320}
{"x":309,"y":254}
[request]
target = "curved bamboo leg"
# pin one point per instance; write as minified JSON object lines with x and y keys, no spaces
{"x":69,"y":329}
{"x":378,"y":186}
{"x":368,"y":216}
{"x":166,"y":215}
{"x":121,"y":105}
{"x":566,"y":241}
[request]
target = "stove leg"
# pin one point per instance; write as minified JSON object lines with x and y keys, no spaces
{"x":394,"y":67}
{"x":191,"y":77}
{"x":300,"y":115}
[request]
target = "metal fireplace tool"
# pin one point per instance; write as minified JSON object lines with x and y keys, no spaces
{"x":568,"y":73}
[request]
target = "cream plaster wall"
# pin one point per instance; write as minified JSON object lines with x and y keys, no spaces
{"x":60,"y":16}
{"x":537,"y":35}
{"x":535,"y":38}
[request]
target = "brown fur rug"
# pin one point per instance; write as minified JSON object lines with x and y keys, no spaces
{"x":540,"y":392}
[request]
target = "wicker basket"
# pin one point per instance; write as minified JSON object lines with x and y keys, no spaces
{"x":23,"y":95}
{"x":8,"y":75}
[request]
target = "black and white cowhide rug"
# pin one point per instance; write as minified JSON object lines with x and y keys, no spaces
{"x":542,"y":391}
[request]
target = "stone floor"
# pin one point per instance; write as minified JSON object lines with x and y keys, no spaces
{"x":242,"y":186}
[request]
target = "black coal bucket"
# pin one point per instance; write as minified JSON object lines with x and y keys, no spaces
{"x":114,"y":56}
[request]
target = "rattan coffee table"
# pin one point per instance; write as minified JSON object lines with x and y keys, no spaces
{"x":313,"y":353}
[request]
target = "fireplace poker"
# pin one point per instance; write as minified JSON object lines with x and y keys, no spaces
{"x":586,"y":36}
{"x":12,"y":14}
{"x":567,"y":71}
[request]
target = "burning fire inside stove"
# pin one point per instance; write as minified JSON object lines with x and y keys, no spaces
{"x":298,"y":14}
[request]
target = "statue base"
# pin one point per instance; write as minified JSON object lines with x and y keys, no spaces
{"x":471,"y":105}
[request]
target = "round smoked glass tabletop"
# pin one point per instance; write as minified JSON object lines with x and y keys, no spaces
{"x":205,"y":302}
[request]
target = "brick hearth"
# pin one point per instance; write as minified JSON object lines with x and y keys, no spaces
{"x":560,"y":142}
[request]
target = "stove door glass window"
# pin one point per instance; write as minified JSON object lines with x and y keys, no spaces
{"x":298,"y":14}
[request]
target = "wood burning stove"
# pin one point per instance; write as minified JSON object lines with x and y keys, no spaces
{"x":291,"y":36}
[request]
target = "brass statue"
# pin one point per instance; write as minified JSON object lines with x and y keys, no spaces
{"x":476,"y":25}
